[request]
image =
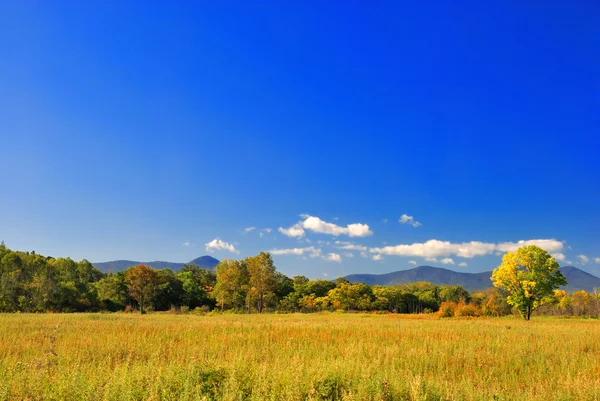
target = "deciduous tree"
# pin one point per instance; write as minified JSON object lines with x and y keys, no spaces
{"x":529,"y":275}
{"x":141,"y":281}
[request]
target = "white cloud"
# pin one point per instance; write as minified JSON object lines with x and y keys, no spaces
{"x":315,"y":224}
{"x":377,"y":257}
{"x":294,"y":231}
{"x":364,"y":255}
{"x":248,"y":229}
{"x":217,"y":245}
{"x":406,"y":219}
{"x":325,"y":274}
{"x":597,"y":260}
{"x":186,"y":243}
{"x":558,"y":256}
{"x":435,"y":248}
{"x":352,"y":230}
{"x":550,"y":245}
{"x":412,"y":262}
{"x":583,"y":259}
{"x":385,"y":221}
{"x":463,"y":264}
{"x":334,"y":257}
{"x":350,"y":246}
{"x":431,"y":259}
{"x":348,"y":254}
{"x":447,"y":261}
{"x":311,"y":251}
{"x":263,"y":232}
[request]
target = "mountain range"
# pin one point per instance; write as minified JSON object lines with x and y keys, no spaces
{"x":205,"y":262}
{"x":577,"y":279}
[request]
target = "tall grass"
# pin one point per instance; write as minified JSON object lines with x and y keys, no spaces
{"x":296,"y":357}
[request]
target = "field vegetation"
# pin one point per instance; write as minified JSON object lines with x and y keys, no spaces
{"x":321,"y":356}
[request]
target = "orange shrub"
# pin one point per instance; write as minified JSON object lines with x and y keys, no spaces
{"x":466,"y":310}
{"x":447,"y":309}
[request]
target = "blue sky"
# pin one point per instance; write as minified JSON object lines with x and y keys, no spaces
{"x":153,"y":131}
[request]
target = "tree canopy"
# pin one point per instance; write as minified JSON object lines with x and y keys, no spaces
{"x":529,"y":275}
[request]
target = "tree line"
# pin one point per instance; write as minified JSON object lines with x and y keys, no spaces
{"x":33,"y":283}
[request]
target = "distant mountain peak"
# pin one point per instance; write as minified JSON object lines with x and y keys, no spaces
{"x":205,"y":262}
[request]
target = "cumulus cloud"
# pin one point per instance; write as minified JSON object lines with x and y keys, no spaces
{"x":597,"y":260}
{"x":558,"y":256}
{"x":550,"y":245}
{"x":186,"y":243}
{"x":463,"y":264}
{"x":435,"y":248}
{"x":431,"y":259}
{"x":406,"y":219}
{"x":583,"y":259}
{"x":377,"y":257}
{"x":334,"y":257}
{"x":348,"y":254}
{"x":294,"y":231}
{"x":218,"y":245}
{"x":248,"y":229}
{"x":352,"y":230}
{"x":447,"y":261}
{"x":315,"y":224}
{"x":364,"y":255}
{"x":412,"y":262}
{"x":267,"y":230}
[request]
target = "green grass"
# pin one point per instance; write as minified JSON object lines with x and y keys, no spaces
{"x":296,"y":357}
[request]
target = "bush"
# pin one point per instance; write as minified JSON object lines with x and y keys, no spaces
{"x":447,"y":309}
{"x":466,"y":310}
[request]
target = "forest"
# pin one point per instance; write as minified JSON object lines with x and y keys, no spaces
{"x":30,"y":282}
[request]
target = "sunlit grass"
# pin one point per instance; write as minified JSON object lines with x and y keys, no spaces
{"x":296,"y":357}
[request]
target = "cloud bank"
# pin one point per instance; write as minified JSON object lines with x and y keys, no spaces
{"x":435,"y":248}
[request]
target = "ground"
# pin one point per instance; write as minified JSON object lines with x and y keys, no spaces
{"x":296,"y":357}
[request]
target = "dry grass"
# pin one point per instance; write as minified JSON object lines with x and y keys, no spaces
{"x":296,"y":357}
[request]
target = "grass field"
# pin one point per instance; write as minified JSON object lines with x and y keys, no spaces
{"x":296,"y":357}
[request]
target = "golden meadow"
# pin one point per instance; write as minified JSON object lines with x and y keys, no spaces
{"x":325,"y":356}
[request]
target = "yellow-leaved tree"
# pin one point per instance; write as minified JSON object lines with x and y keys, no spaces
{"x":529,"y":275}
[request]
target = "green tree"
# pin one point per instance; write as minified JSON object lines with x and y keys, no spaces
{"x":169,"y":290}
{"x":112,"y":291}
{"x":529,"y":276}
